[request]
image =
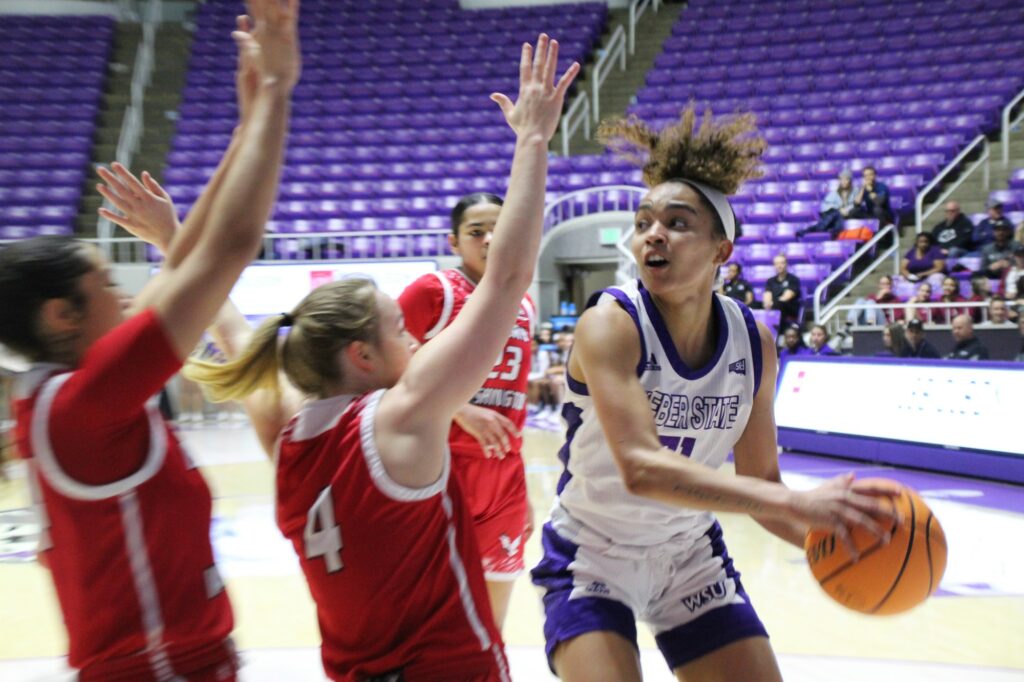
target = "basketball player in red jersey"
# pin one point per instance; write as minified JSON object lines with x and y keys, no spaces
{"x":125,"y":514}
{"x":364,"y":489}
{"x":486,"y":436}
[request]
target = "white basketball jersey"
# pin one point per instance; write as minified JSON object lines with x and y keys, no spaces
{"x":700,"y":413}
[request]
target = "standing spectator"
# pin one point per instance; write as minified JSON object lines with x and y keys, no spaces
{"x":894,"y":341}
{"x":916,"y":345}
{"x":997,"y":257}
{"x":984,"y":232}
{"x":953,"y":235}
{"x":872,"y":200}
{"x":867,"y":313}
{"x":923,"y":259}
{"x":950,"y":294}
{"x":735,"y":287}
{"x":782,"y":292}
{"x":923,"y":295}
{"x":1012,"y":279}
{"x":999,"y":312}
{"x":967,"y":347}
{"x":837,"y":206}
{"x":819,"y":341}
{"x":792,"y":343}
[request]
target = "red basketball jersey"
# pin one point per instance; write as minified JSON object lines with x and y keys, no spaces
{"x":430,"y":304}
{"x":125,"y":514}
{"x":394,"y":571}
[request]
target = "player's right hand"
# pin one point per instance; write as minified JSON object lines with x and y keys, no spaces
{"x":493,"y":430}
{"x":538,"y":108}
{"x":275,"y":31}
{"x":841,"y":504}
{"x":144,"y":208}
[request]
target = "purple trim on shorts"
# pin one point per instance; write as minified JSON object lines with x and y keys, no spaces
{"x":716,"y":628}
{"x":573,"y":417}
{"x":755,"y":344}
{"x":568,"y":618}
{"x":669,"y":348}
{"x":626,"y":304}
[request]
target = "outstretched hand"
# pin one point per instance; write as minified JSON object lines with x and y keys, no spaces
{"x":247,"y":75}
{"x":145,"y":208}
{"x":268,"y":42}
{"x":538,"y":108}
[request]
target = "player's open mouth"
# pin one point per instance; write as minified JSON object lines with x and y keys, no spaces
{"x":655,"y":262}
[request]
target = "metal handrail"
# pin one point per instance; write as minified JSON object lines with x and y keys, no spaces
{"x":919,"y":214}
{"x":1007,"y":123}
{"x":615,"y":50}
{"x":568,"y":206}
{"x":823,"y":313}
{"x":636,"y":10}
{"x":577,"y":115}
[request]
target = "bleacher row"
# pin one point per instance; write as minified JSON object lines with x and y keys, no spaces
{"x":52,"y":74}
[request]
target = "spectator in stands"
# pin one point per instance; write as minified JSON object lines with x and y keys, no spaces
{"x":868,"y":313}
{"x":782,"y":292}
{"x":999,"y":312}
{"x":538,"y":386}
{"x":916,"y":345}
{"x":837,"y":206}
{"x":894,"y":341}
{"x":735,"y":287}
{"x":1012,"y":279}
{"x":967,"y":347}
{"x":950,"y":294}
{"x":1018,"y":235}
{"x":556,"y":372}
{"x":984,"y":232}
{"x":923,"y":295}
{"x":1020,"y":328}
{"x":819,"y":341}
{"x":923,"y":259}
{"x":997,"y":257}
{"x":872,"y":200}
{"x":981,"y":291}
{"x":953,"y":235}
{"x":792,"y":343}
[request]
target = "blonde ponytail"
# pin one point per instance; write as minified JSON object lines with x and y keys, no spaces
{"x":255,"y":368}
{"x":321,"y":326}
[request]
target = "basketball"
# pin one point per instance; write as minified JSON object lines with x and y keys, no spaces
{"x":888,"y":578}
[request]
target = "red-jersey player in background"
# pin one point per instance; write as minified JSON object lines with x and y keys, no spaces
{"x":364,"y":490}
{"x":125,"y":514}
{"x":486,"y":436}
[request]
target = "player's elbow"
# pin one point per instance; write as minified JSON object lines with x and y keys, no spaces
{"x":638,"y":473}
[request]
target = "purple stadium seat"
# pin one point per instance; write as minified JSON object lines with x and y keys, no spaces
{"x":794,"y":171}
{"x":762,"y":213}
{"x":1016,"y":180}
{"x":753,"y":233}
{"x":1012,"y":200}
{"x":807,"y":190}
{"x":757,"y":254}
{"x":785,"y":232}
{"x":800,"y":211}
{"x":798,"y":252}
{"x":834,"y":252}
{"x":758,"y":275}
{"x":772,"y":191}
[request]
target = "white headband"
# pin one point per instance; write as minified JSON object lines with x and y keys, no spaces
{"x":721,"y":204}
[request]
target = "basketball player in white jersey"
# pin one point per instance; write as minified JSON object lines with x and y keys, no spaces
{"x":665,"y":379}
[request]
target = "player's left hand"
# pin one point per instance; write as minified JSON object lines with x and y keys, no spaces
{"x":493,"y":430}
{"x":145,"y":208}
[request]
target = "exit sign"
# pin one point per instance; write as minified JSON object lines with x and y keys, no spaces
{"x":610,"y":236}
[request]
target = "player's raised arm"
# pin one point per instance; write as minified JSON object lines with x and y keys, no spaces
{"x":194,"y":291}
{"x":445,"y":373}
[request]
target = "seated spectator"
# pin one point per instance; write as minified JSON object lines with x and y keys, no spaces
{"x":923,"y":295}
{"x":1012,"y":279}
{"x":997,"y":257}
{"x":950,"y":294}
{"x":984,"y":232}
{"x":923,"y":260}
{"x":1020,"y":328}
{"x":819,"y":341}
{"x":916,"y":345}
{"x":867,"y":313}
{"x":967,"y":347}
{"x":999,"y":312}
{"x":558,"y":360}
{"x":782,"y":292}
{"x":538,"y":386}
{"x":836,"y":207}
{"x":953,"y":235}
{"x":872,"y":199}
{"x":792,"y":343}
{"x":735,"y":287}
{"x":981,"y":291}
{"x":894,"y":341}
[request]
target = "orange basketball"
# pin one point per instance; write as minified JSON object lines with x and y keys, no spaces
{"x":888,"y":578}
